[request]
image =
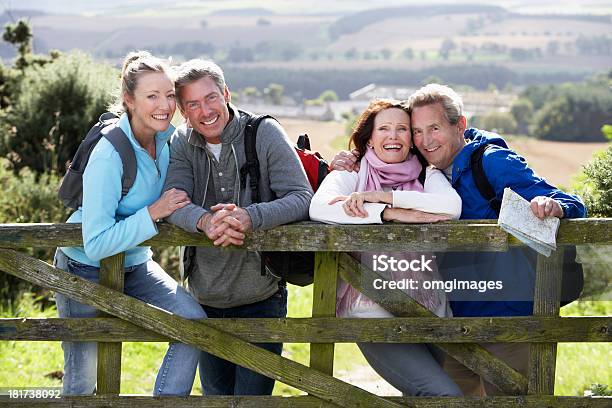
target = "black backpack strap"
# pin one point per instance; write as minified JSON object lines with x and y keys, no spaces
{"x":121,"y":143}
{"x":480,"y":178}
{"x":251,"y":167}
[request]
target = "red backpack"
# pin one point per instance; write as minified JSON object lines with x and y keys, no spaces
{"x":315,"y":166}
{"x":293,"y":267}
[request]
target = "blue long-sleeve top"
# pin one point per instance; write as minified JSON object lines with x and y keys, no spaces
{"x":503,"y":168}
{"x":112,"y":224}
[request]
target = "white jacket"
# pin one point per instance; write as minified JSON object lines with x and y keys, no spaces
{"x":438,"y":197}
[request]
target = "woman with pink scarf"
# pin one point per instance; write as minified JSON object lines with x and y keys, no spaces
{"x":387,"y":187}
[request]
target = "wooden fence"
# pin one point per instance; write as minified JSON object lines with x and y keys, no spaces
{"x":231,"y":338}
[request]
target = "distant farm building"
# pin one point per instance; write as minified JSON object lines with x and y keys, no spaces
{"x":474,"y":102}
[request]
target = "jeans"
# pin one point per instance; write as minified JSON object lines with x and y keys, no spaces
{"x":149,"y":283}
{"x":221,"y":377}
{"x":414,"y":369}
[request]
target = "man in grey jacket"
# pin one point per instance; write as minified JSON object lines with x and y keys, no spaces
{"x":206,"y":157}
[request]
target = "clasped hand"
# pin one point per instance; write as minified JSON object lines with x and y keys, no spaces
{"x":225,"y":224}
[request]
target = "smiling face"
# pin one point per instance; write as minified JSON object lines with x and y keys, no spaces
{"x":152,"y":104}
{"x":205,"y":105}
{"x":437,"y":139}
{"x":390,"y":138}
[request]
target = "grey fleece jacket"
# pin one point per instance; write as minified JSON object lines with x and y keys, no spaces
{"x":223,"y":278}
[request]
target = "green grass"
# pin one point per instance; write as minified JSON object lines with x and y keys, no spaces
{"x":581,"y":364}
{"x":28,"y":363}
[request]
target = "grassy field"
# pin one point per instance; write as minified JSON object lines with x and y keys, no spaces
{"x":32,"y":363}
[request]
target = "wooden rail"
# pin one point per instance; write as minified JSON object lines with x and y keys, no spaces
{"x":231,"y":338}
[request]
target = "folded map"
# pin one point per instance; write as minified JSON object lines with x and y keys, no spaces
{"x":516,"y":218}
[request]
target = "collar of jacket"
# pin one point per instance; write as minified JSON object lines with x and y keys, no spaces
{"x":474,"y":138}
{"x":229,"y":134}
{"x":161,"y":138}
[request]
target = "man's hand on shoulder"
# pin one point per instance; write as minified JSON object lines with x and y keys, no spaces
{"x":543,"y":207}
{"x":346,"y":161}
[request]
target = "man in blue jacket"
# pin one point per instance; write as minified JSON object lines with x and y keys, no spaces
{"x":439,"y":131}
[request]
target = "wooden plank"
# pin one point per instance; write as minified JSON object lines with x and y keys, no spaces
{"x":109,"y":354}
{"x":300,"y":402}
{"x":473,"y":356}
{"x":328,"y":330}
{"x":324,"y":305}
{"x":304,"y":236}
{"x":546,"y":302}
{"x":207,"y":338}
{"x":311,"y":236}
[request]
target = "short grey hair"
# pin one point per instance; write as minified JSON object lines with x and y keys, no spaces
{"x":435,"y":93}
{"x":194,"y":70}
{"x":136,"y":64}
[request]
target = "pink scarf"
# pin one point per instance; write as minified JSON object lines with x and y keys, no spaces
{"x":374,"y":174}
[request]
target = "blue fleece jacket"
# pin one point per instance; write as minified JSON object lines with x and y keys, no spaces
{"x":503,"y":168}
{"x":111,"y":224}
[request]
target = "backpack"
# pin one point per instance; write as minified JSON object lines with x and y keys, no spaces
{"x":572,"y":281}
{"x":294,"y":267}
{"x":71,"y":188}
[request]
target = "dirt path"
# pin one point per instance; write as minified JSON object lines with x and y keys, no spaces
{"x":364,"y":377}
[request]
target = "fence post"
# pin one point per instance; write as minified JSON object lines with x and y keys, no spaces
{"x":547,"y":298}
{"x":324,"y":305}
{"x":109,"y":354}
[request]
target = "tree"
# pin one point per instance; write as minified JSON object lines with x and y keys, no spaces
{"x":522,"y":111}
{"x":54,"y":107}
{"x":501,"y":122}
{"x":251,"y":92}
{"x":432,"y":79}
{"x":27,"y":198}
{"x":328,"y":96}
{"x":351,"y":54}
{"x":552,"y":48}
{"x":578,"y":113}
{"x":273,"y":93}
{"x":607,"y":131}
{"x":408,"y":53}
{"x":595,"y":184}
{"x":240,"y":54}
{"x":446,"y":48}
{"x":20,"y":35}
{"x":594,"y":45}
{"x":468,"y":50}
{"x":386,"y":53}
